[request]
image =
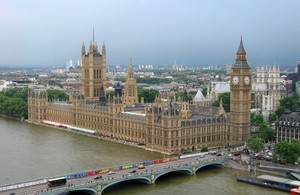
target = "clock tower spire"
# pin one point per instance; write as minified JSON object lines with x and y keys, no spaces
{"x":240,"y":98}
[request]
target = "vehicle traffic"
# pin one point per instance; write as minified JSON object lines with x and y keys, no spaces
{"x":57,"y":181}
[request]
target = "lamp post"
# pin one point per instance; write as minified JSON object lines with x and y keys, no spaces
{"x":6,"y":179}
{"x":70,"y":168}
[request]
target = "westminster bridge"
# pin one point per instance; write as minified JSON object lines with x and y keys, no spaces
{"x":98,"y":181}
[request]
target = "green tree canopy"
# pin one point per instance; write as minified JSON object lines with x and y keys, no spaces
{"x":148,"y":94}
{"x":153,"y":80}
{"x":280,"y":110}
{"x":204,"y":91}
{"x":110,"y":94}
{"x":257,"y":119}
{"x":54,"y":94}
{"x":226,"y":101}
{"x":272,"y":117}
{"x":291,"y":101}
{"x":255,"y":143}
{"x":13,"y":102}
{"x":205,"y":149}
{"x":180,"y":94}
{"x":266,"y":133}
{"x":288,"y":151}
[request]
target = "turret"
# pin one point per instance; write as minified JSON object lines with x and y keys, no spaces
{"x":103,"y":52}
{"x":83,"y":49}
{"x":130,"y":89}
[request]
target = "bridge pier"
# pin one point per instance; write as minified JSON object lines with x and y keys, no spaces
{"x":152,"y":178}
{"x":193,"y":169}
{"x":99,"y":188}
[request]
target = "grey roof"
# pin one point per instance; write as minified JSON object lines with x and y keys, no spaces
{"x":241,"y":47}
{"x":241,"y":63}
{"x":204,"y":110}
{"x":199,"y":96}
{"x":137,"y":107}
{"x":94,"y":105}
{"x":289,"y":117}
{"x":132,"y":116}
{"x":63,"y":105}
{"x":222,"y":87}
{"x":279,"y":180}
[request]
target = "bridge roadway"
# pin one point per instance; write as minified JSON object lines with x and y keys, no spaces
{"x":148,"y":175}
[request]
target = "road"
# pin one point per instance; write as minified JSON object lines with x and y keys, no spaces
{"x":116,"y":174}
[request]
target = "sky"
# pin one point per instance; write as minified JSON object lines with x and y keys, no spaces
{"x":189,"y":32}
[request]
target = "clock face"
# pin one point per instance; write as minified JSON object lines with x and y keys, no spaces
{"x":247,"y":80}
{"x":235,"y":80}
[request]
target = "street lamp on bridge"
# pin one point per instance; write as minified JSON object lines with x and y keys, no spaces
{"x":6,"y":181}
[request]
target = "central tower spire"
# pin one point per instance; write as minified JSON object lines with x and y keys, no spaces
{"x":93,"y":35}
{"x":241,"y":57}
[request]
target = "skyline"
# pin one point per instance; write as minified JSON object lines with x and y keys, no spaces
{"x":41,"y":33}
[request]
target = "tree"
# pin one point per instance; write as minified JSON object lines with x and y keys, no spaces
{"x":257,"y":119}
{"x":54,"y":94}
{"x":14,"y":107}
{"x":205,"y":149}
{"x":180,"y":94}
{"x":288,"y":151}
{"x":272,"y":117}
{"x":110,"y":94}
{"x":55,"y":83}
{"x":204,"y":91}
{"x":255,"y":143}
{"x":148,"y":94}
{"x":266,"y":133}
{"x":280,"y":110}
{"x":153,"y":80}
{"x":13,"y":103}
{"x":291,"y":101}
{"x":225,"y":99}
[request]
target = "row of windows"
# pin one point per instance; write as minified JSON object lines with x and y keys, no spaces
{"x":185,"y":142}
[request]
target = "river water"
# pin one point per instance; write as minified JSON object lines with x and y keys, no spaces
{"x":29,"y":152}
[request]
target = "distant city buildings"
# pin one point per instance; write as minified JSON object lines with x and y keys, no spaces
{"x":268,"y":89}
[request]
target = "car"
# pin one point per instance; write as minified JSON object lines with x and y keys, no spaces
{"x":98,"y":177}
{"x":141,"y":167}
{"x":132,"y":171}
{"x":111,"y":173}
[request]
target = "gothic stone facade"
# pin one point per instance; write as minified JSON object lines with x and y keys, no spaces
{"x":159,"y":126}
{"x":170,"y":127}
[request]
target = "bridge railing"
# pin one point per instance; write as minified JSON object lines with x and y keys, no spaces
{"x":23,"y":185}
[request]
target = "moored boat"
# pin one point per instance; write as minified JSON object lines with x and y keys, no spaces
{"x":295,"y":191}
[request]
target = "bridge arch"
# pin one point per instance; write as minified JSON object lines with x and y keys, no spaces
{"x":185,"y":171}
{"x":138,"y":179}
{"x":216,"y":164}
{"x":82,"y":191}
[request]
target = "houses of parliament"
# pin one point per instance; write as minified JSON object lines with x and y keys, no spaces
{"x":170,"y":127}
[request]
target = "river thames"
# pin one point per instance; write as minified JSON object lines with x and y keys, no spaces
{"x":31,"y":152}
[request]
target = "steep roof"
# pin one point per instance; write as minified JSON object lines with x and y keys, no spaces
{"x":199,"y":96}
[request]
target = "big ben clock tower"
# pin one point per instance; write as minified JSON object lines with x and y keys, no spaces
{"x":240,"y":98}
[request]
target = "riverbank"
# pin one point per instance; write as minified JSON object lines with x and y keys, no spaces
{"x":106,"y":138}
